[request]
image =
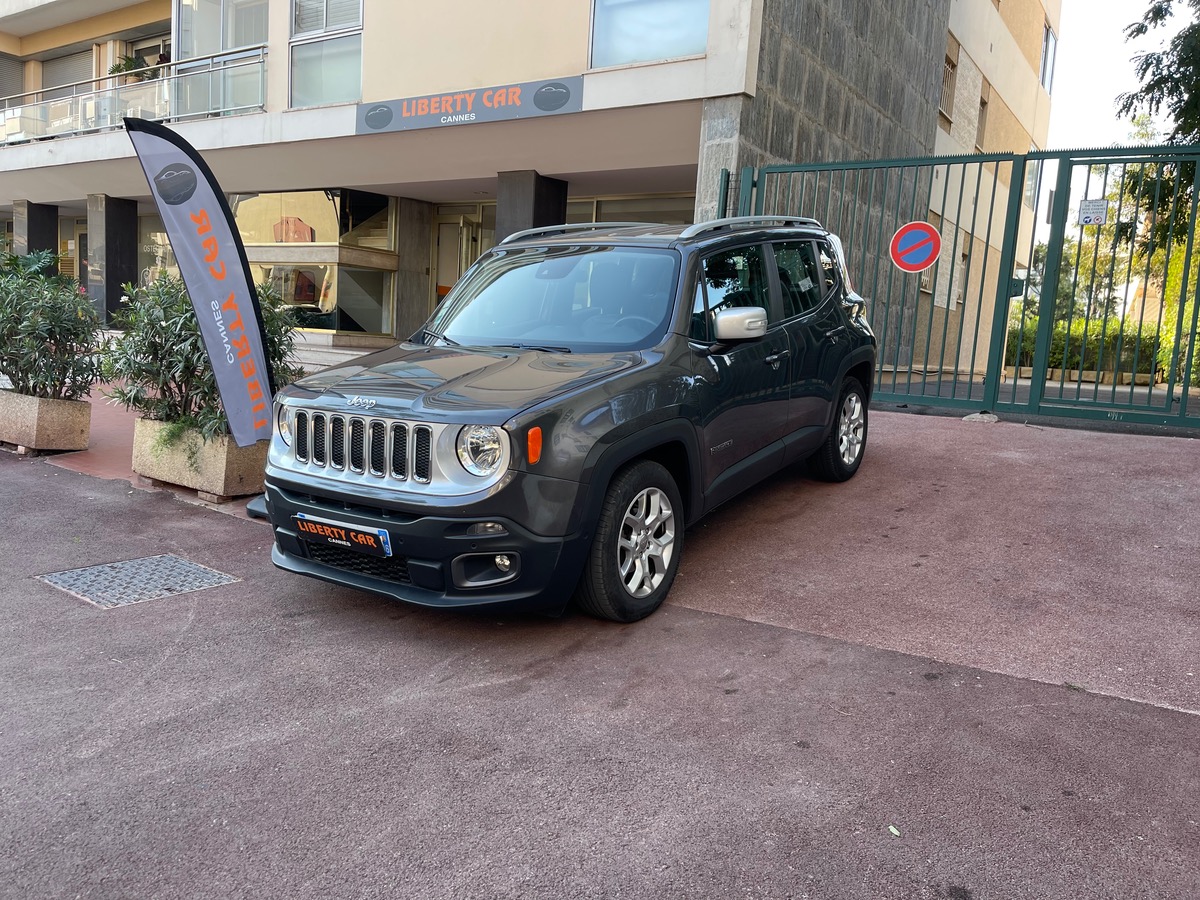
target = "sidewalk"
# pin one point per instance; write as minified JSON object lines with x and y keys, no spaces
{"x":110,"y":456}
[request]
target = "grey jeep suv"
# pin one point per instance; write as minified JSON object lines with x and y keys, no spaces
{"x":581,"y":396}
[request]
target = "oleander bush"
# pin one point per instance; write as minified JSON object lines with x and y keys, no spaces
{"x":158,"y":363}
{"x":49,"y":330}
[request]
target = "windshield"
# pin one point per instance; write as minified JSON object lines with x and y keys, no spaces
{"x":581,"y":299}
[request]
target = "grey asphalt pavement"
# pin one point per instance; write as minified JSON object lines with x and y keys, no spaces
{"x":969,"y":673}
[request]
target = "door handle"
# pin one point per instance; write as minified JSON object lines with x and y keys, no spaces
{"x":841,"y":329}
{"x":774,"y":358}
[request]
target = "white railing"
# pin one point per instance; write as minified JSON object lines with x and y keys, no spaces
{"x":222,"y":84}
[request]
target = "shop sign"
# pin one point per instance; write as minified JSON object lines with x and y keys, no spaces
{"x":489,"y":104}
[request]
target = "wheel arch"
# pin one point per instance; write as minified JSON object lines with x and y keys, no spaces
{"x":671,"y":444}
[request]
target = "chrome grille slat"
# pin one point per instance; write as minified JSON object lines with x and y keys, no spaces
{"x":320,"y":439}
{"x":302,"y":440}
{"x":422,"y":453}
{"x":377,"y":442}
{"x":337,"y":442}
{"x":400,"y":451}
{"x":384,"y":449}
{"x":357,"y":445}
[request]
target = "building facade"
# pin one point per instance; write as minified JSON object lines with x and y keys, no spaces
{"x":371,"y":149}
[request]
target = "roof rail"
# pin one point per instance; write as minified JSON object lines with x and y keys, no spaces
{"x":701,"y":227}
{"x":564,"y":229}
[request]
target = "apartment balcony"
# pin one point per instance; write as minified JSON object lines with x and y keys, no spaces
{"x":226,"y":84}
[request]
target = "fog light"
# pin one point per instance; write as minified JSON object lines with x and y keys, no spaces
{"x":485,"y":529}
{"x":503,"y":563}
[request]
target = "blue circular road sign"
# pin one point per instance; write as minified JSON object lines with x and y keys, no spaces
{"x":915,"y":246}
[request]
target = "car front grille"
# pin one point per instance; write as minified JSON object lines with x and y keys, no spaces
{"x":389,"y":568}
{"x":381,"y":448}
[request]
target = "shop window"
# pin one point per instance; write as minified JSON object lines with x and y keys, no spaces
{"x":634,"y":31}
{"x":326,"y":52}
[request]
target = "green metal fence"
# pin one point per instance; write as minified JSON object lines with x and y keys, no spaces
{"x":1066,"y":283}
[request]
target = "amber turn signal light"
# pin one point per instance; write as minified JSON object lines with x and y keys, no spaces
{"x":533,"y":442}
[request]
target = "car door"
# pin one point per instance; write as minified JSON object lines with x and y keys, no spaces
{"x":809,"y":284}
{"x":742,"y":387}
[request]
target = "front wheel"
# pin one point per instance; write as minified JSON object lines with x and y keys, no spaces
{"x":840,"y":456}
{"x":639,"y":540}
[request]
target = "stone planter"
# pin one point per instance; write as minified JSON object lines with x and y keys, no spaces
{"x":217,"y":470}
{"x":35,"y":423}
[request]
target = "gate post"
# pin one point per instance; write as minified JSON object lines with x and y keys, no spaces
{"x":1008,"y":253}
{"x":1049,"y":297}
{"x":746,"y":192}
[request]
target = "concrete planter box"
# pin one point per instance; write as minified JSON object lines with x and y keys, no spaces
{"x":1143,"y":378}
{"x":217,"y":470}
{"x":35,"y":423}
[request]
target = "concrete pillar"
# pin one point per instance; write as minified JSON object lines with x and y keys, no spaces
{"x":35,"y":227}
{"x":112,"y":250}
{"x":526,"y":199}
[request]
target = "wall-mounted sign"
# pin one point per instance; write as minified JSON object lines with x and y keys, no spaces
{"x":1093,"y":212}
{"x":488,"y":104}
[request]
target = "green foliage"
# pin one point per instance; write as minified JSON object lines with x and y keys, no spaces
{"x":1170,"y":75}
{"x":159,"y":363}
{"x":1088,"y":346}
{"x":135,"y":67}
{"x":49,"y":331}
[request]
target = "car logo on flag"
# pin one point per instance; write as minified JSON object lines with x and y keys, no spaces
{"x":176,"y":183}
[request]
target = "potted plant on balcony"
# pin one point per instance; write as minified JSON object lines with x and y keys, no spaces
{"x":160,"y":371}
{"x":49,"y":340}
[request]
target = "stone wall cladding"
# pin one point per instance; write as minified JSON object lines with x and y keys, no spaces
{"x":820,"y":61}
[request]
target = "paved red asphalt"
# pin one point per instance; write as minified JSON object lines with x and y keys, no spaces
{"x":968,"y":673}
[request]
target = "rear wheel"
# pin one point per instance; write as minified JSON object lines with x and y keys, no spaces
{"x":840,"y":456}
{"x":635,"y":553}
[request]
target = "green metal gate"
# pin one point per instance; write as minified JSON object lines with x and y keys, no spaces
{"x":1066,"y":284}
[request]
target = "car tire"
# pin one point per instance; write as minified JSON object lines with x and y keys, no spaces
{"x":635,"y":552}
{"x":839,"y":457}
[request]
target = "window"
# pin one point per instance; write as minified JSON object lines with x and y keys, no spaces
{"x":731,"y":279}
{"x":1049,"y":50}
{"x":800,"y":278}
{"x":326,"y":52}
{"x":829,"y":270}
{"x":985,"y":95}
{"x":633,"y":31}
{"x":1033,"y":177}
{"x":949,"y":77}
{"x":207,"y":27}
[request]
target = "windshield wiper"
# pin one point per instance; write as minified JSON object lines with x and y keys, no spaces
{"x":441,"y":337}
{"x":543,"y":347}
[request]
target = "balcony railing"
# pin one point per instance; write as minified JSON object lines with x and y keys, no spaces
{"x":224,"y":84}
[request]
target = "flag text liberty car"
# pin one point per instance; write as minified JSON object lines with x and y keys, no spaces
{"x":582,"y":395}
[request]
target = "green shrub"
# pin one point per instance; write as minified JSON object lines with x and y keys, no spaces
{"x":49,"y":331}
{"x":159,"y":363}
{"x":1022,"y":339}
{"x":1086,"y":346}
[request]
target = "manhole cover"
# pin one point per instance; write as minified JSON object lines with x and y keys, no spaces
{"x":135,"y":580}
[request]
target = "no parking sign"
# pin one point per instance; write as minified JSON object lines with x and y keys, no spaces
{"x":915,"y":246}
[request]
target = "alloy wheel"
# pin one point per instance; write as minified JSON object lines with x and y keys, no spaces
{"x":646,"y":543}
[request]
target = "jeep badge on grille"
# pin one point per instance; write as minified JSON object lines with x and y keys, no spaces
{"x":361,"y":402}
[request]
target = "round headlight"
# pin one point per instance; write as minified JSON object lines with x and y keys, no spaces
{"x":480,"y":449}
{"x":283,"y":424}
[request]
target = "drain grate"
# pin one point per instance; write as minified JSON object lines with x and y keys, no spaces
{"x":136,"y":580}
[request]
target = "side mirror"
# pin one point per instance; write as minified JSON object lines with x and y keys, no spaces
{"x":741,"y":323}
{"x":854,"y":304}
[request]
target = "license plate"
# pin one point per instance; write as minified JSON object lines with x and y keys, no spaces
{"x":371,"y":541}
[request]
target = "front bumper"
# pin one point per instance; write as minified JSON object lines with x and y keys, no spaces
{"x":434,"y":561}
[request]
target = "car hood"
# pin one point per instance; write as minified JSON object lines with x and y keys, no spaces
{"x":455,"y":384}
